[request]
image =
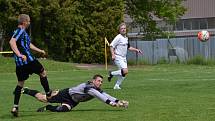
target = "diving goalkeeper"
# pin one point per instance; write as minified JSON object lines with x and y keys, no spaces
{"x":71,"y":97}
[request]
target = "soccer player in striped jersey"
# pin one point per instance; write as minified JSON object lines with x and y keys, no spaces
{"x":71,"y":97}
{"x":118,"y":48}
{"x":26,"y":63}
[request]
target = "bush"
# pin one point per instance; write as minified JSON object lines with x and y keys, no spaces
{"x":162,"y":61}
{"x":200,"y":60}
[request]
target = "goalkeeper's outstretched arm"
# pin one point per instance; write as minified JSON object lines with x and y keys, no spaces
{"x":106,"y":98}
{"x":119,"y":103}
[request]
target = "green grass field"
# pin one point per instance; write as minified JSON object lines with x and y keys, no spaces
{"x":155,"y":93}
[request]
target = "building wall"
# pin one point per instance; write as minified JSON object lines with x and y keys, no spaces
{"x":185,"y":48}
{"x":199,"y":9}
{"x":200,"y":15}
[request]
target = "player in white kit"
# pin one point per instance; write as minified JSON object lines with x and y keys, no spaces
{"x":118,"y":48}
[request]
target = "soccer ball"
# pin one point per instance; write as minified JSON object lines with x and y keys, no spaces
{"x":203,"y":36}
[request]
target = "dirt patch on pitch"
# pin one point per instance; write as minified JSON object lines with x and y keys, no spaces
{"x":90,"y":66}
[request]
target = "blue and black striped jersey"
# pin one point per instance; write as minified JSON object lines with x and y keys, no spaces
{"x":23,"y":44}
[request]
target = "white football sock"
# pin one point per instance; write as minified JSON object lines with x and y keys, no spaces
{"x":116,"y":87}
{"x":116,"y":73}
{"x":120,"y":80}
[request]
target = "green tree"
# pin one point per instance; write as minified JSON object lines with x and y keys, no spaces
{"x":144,"y":12}
{"x":9,"y":11}
{"x":70,"y":30}
{"x":74,"y":30}
{"x":6,"y":22}
{"x":93,"y":21}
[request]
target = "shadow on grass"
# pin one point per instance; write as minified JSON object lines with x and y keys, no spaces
{"x":97,"y":110}
{"x":23,"y":114}
{"x":107,"y":88}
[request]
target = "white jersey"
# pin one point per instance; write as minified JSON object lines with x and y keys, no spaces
{"x":120,"y":45}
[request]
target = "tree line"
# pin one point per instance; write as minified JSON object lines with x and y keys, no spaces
{"x":74,"y":30}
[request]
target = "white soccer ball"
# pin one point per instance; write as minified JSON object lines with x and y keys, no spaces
{"x":203,"y":36}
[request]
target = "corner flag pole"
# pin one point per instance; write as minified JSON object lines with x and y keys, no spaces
{"x":106,"y":43}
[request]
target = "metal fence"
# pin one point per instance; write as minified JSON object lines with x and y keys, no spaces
{"x":182,"y":49}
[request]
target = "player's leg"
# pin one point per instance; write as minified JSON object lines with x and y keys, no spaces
{"x":62,"y":97}
{"x":38,"y":69}
{"x":17,"y":95}
{"x":34,"y":93}
{"x":59,"y":108}
{"x":22,"y":75}
{"x":124,"y":70}
{"x":117,"y":72}
{"x":45,"y":84}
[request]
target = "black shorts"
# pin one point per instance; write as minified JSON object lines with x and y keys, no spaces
{"x":63,"y":97}
{"x":23,"y":72}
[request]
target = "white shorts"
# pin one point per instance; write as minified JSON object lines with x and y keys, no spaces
{"x":120,"y":62}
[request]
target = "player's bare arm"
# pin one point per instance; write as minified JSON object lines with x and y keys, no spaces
{"x":33,"y":47}
{"x":15,"y":49}
{"x":112,"y":53}
{"x":135,"y":49}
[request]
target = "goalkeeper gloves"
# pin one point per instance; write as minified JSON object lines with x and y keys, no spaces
{"x":122,"y":103}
